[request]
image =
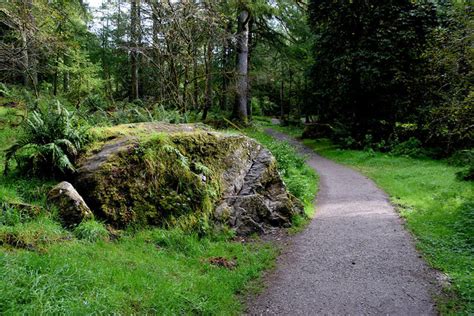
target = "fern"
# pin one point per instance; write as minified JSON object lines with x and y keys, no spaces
{"x":183,"y":161}
{"x":53,"y":139}
{"x":199,"y":167}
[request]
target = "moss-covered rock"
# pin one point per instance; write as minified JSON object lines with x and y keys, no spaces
{"x":184,"y":175}
{"x":71,"y":206}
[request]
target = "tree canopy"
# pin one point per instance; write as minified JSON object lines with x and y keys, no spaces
{"x":375,"y":72}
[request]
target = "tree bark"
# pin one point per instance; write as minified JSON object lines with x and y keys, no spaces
{"x":225,"y":68}
{"x":66,"y":74}
{"x":208,"y":93}
{"x":282,"y":92}
{"x":134,"y":36}
{"x":249,"y":86}
{"x":30,"y":62}
{"x":240,"y":106}
{"x":195,"y":82}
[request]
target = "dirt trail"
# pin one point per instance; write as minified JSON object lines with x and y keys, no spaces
{"x":354,"y":258}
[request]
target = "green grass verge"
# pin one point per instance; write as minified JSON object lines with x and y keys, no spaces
{"x":153,"y":271}
{"x":438,"y":208}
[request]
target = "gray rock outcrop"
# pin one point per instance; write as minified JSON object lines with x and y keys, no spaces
{"x":184,"y":175}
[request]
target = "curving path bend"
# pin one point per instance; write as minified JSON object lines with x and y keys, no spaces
{"x":354,"y":258}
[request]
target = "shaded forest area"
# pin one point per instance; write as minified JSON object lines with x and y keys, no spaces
{"x":389,"y":77}
{"x":188,"y":56}
{"x":385,"y":87}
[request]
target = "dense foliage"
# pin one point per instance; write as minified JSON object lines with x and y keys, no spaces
{"x":51,"y":140}
{"x":178,"y":55}
{"x":385,"y":72}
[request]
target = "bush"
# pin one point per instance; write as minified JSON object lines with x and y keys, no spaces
{"x":50,"y":142}
{"x":136,"y":112}
{"x":464,"y":158}
{"x":409,"y":148}
{"x":169,"y":115}
{"x":91,"y":231}
{"x":95,"y":102}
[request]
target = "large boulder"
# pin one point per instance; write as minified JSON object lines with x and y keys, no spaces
{"x":185,"y":175}
{"x":71,"y":206}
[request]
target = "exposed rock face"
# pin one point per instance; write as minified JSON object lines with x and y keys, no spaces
{"x":72,"y":208}
{"x":184,"y":175}
{"x":256,"y":196}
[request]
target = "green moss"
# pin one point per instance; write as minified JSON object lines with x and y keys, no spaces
{"x":164,"y":179}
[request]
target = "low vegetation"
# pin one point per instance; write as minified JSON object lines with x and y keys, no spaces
{"x":152,"y":271}
{"x":90,"y":269}
{"x":437,"y":205}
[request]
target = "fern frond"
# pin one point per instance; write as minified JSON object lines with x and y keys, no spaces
{"x":67,"y":145}
{"x":181,"y":158}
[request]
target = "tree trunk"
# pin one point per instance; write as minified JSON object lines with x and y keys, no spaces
{"x":56,"y":75}
{"x":156,"y":48}
{"x":208,"y":93}
{"x":29,"y":57}
{"x":240,"y":106}
{"x":66,"y":74}
{"x":249,"y":86}
{"x":225,"y":68}
{"x":290,"y":79}
{"x":134,"y":36}
{"x":185,"y":88}
{"x":282,"y":91}
{"x":195,"y":82}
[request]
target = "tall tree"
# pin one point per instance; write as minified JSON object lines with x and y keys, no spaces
{"x":368,"y":58}
{"x":135,"y":46}
{"x":240,"y":107}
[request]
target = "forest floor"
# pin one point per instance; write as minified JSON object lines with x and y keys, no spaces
{"x":354,"y":257}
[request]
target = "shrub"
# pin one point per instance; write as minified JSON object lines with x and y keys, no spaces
{"x":50,"y":142}
{"x":169,"y":115}
{"x":410,"y":148}
{"x":91,"y":231}
{"x":464,"y":158}
{"x":95,"y":102}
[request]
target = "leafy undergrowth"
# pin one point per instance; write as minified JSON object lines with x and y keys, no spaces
{"x":437,"y":206}
{"x":300,"y":179}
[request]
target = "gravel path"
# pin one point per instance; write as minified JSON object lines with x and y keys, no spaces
{"x":354,"y":258}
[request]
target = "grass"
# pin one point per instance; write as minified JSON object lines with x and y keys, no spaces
{"x":46,"y":269}
{"x":437,"y":206}
{"x":153,"y":271}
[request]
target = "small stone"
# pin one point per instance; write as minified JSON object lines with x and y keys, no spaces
{"x":72,"y":208}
